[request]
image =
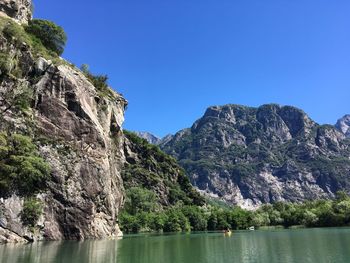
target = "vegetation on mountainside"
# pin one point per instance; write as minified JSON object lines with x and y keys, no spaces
{"x":18,"y":36}
{"x":99,"y":81}
{"x":157,"y":171}
{"x":31,"y":212}
{"x":182,"y":218}
{"x":51,"y":35}
{"x":5,"y":64}
{"x":156,"y":187}
{"x":142,"y":212}
{"x":145,"y":210}
{"x":22,"y":172}
{"x":318,"y":213}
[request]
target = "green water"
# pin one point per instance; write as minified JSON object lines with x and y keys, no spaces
{"x":285,"y":246}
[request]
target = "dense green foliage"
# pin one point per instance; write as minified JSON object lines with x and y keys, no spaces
{"x":17,"y":35}
{"x":140,"y":215}
{"x":140,"y":200}
{"x":142,"y":212}
{"x":319,"y":213}
{"x":5,"y":63}
{"x":159,"y":196}
{"x":99,"y":81}
{"x":32,"y":210}
{"x":156,"y":171}
{"x":22,"y":170}
{"x":51,"y":35}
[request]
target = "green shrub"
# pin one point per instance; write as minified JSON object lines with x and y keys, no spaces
{"x":139,"y":200}
{"x":196,"y":218}
{"x":5,"y":64}
{"x":17,"y":35}
{"x":51,"y":35}
{"x":14,"y":32}
{"x":31,"y":212}
{"x":180,"y":218}
{"x":100,"y":82}
{"x":22,"y":170}
{"x":129,"y":223}
{"x":176,"y":221}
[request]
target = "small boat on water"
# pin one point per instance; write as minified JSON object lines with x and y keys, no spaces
{"x":252,"y":228}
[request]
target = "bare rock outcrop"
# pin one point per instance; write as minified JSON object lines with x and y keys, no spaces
{"x":86,"y":190}
{"x":19,"y":10}
{"x":343,"y":125}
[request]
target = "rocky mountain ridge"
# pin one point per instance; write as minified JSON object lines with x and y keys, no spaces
{"x":343,"y":125}
{"x":152,"y":139}
{"x":249,"y":156}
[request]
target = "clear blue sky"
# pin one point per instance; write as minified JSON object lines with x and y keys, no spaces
{"x":173,"y":59}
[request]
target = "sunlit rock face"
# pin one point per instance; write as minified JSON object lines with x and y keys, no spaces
{"x":250,"y":156}
{"x":86,"y":190}
{"x":19,"y":10}
{"x":78,"y":132}
{"x":152,"y":139}
{"x":343,"y":125}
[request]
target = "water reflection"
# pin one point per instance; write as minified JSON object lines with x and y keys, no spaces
{"x":104,"y":251}
{"x":288,"y":246}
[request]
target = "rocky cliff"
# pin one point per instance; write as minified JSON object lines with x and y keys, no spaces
{"x":76,"y":129}
{"x":249,"y":156}
{"x":343,"y":125}
{"x":64,"y":160}
{"x":19,"y":10}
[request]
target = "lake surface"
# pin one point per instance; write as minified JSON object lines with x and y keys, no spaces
{"x":285,"y":246}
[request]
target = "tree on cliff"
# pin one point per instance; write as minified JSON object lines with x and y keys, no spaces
{"x":51,"y":35}
{"x":15,"y":98}
{"x":22,"y":170}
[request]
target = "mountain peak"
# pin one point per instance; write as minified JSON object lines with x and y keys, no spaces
{"x":249,"y":156}
{"x":152,"y":139}
{"x":343,"y":125}
{"x":282,"y":119}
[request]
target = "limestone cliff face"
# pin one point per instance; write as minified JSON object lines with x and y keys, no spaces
{"x":250,"y":156}
{"x":78,"y":132}
{"x":19,"y":10}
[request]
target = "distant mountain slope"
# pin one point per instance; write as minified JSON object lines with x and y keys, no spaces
{"x":152,"y":139}
{"x":249,"y":156}
{"x":149,"y":168}
{"x":343,"y":125}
